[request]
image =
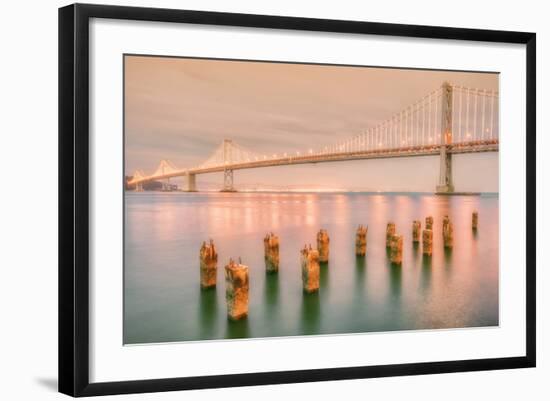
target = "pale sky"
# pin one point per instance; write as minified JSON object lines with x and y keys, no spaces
{"x":182,"y":109}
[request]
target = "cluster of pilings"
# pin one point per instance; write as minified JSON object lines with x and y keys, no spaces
{"x":236,"y":273}
{"x":311,"y":259}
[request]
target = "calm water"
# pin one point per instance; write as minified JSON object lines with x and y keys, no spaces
{"x":164,"y":231}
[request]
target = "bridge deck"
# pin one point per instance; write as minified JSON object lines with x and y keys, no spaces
{"x":431,"y":150}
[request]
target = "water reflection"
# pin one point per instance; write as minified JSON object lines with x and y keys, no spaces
{"x":360,"y":269}
{"x":324,"y":271}
{"x":425,"y":276}
{"x":164,"y":231}
{"x":238,"y":328}
{"x":396,"y":276}
{"x":311,"y":313}
{"x":208,"y":312}
{"x":271,"y":292}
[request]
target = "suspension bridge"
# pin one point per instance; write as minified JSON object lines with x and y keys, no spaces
{"x":452,"y":119}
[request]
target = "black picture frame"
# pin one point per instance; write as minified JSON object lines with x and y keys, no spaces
{"x":74,"y":198}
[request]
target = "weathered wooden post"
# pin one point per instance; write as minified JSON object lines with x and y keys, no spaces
{"x":429,"y":223}
{"x":361,"y":240}
{"x":323,"y":245}
{"x":310,"y":269}
{"x":390,"y":232}
{"x":427,"y":242}
{"x":474,"y":220}
{"x":208,"y":264}
{"x":396,"y":249}
{"x":448,"y":235}
{"x":236,"y":290}
{"x":416,"y":231}
{"x":446,"y":221}
{"x":271,"y":252}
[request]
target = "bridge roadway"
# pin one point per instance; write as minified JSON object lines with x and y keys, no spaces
{"x":421,"y":150}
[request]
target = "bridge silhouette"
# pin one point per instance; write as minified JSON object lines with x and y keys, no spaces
{"x":450,"y":120}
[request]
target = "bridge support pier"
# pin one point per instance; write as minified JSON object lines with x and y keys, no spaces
{"x":445,"y":185}
{"x":445,"y":172}
{"x":191,"y":183}
{"x":228,"y":181}
{"x":139,"y":187}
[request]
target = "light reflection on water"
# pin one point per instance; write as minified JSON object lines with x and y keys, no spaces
{"x":164,"y":302}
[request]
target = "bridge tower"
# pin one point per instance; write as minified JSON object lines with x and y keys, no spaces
{"x":227,"y":160}
{"x":445,"y":185}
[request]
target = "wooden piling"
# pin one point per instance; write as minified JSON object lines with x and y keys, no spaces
{"x":416,"y":229}
{"x":427,"y":242}
{"x":361,"y":240}
{"x":310,"y":269}
{"x":208,"y":264}
{"x":236,"y":290}
{"x":390,"y":232}
{"x":323,"y":245}
{"x":446,"y":221}
{"x":474,"y":220}
{"x":448,"y":235}
{"x":429,"y":223}
{"x":396,"y":249}
{"x":271,"y":253}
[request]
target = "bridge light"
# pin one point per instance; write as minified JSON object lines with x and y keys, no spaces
{"x":310,"y":151}
{"x":298,"y":153}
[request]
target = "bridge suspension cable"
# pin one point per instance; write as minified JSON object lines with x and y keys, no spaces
{"x":165,"y":167}
{"x":419,"y":124}
{"x":228,"y":153}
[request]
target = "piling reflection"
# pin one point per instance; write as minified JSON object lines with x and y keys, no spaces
{"x":208,"y":312}
{"x":324,"y":273}
{"x":238,"y":328}
{"x":360,"y":269}
{"x":311,"y":313}
{"x":448,"y":256}
{"x":271,"y":292}
{"x":425,"y":276}
{"x":396,"y":276}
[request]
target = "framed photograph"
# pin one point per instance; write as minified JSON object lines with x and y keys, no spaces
{"x":250,"y":199}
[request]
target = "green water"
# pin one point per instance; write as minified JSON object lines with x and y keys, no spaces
{"x":163,"y":300}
